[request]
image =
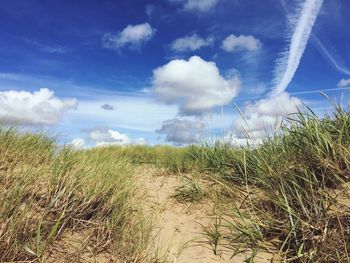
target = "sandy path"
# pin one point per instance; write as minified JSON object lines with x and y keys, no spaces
{"x":179,"y":225}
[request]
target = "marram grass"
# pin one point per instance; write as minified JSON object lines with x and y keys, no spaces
{"x":292,"y":190}
{"x":287,"y":197}
{"x":48,"y":194}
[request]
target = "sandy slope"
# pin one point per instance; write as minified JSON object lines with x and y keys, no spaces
{"x":179,"y":225}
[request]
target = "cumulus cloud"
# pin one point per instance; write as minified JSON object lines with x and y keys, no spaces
{"x":181,"y":132}
{"x":289,"y":60}
{"x":102,"y":136}
{"x":344,"y":83}
{"x":107,"y":106}
{"x":264,"y":116}
{"x":278,"y":105}
{"x":195,"y":85}
{"x":39,"y":107}
{"x":190,"y":43}
{"x":234,"y":43}
{"x":78,"y":143}
{"x":132,"y":36}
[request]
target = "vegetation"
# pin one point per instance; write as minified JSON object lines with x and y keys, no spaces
{"x":288,"y":196}
{"x":294,"y":192}
{"x":190,"y":191}
{"x":50,"y":194}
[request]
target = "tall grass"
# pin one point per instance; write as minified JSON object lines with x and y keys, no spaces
{"x":173,"y":159}
{"x":289,"y":196}
{"x":48,"y":194}
{"x":293,"y":188}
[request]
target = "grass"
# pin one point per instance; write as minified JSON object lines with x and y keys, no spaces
{"x":48,"y":194}
{"x":291,"y":190}
{"x":287,"y":193}
{"x":287,"y":197}
{"x":173,"y":159}
{"x":190,"y":191}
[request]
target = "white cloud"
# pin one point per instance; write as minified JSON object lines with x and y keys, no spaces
{"x":278,"y":105}
{"x":190,"y":43}
{"x":196,"y":85}
{"x":200,"y":5}
{"x":133,"y":36}
{"x":344,"y":83}
{"x":181,"y":131}
{"x":288,"y":63}
{"x":139,"y":141}
{"x":234,"y":43}
{"x":265,"y":115}
{"x":127,"y":116}
{"x":39,"y":107}
{"x":102,"y":136}
{"x":78,"y":143}
{"x":241,"y":142}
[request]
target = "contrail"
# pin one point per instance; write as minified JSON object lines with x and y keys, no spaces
{"x":329,"y":57}
{"x":288,"y":63}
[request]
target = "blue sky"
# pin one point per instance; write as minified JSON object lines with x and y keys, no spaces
{"x":168,"y":71}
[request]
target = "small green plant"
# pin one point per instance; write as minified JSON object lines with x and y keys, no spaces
{"x":190,"y":191}
{"x":213,"y":235}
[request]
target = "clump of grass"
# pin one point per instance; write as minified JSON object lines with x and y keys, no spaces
{"x":291,"y":185}
{"x":48,"y":192}
{"x":213,"y":234}
{"x":190,"y":191}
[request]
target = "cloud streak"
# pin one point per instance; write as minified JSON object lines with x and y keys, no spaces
{"x":288,"y":63}
{"x":330,"y":58}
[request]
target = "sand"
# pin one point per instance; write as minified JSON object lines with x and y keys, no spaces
{"x":179,"y":225}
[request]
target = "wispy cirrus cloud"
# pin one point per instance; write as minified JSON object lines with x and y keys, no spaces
{"x":53,"y":49}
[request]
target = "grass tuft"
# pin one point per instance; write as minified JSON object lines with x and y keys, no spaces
{"x":190,"y":191}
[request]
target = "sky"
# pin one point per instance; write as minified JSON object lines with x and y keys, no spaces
{"x":169,"y":71}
